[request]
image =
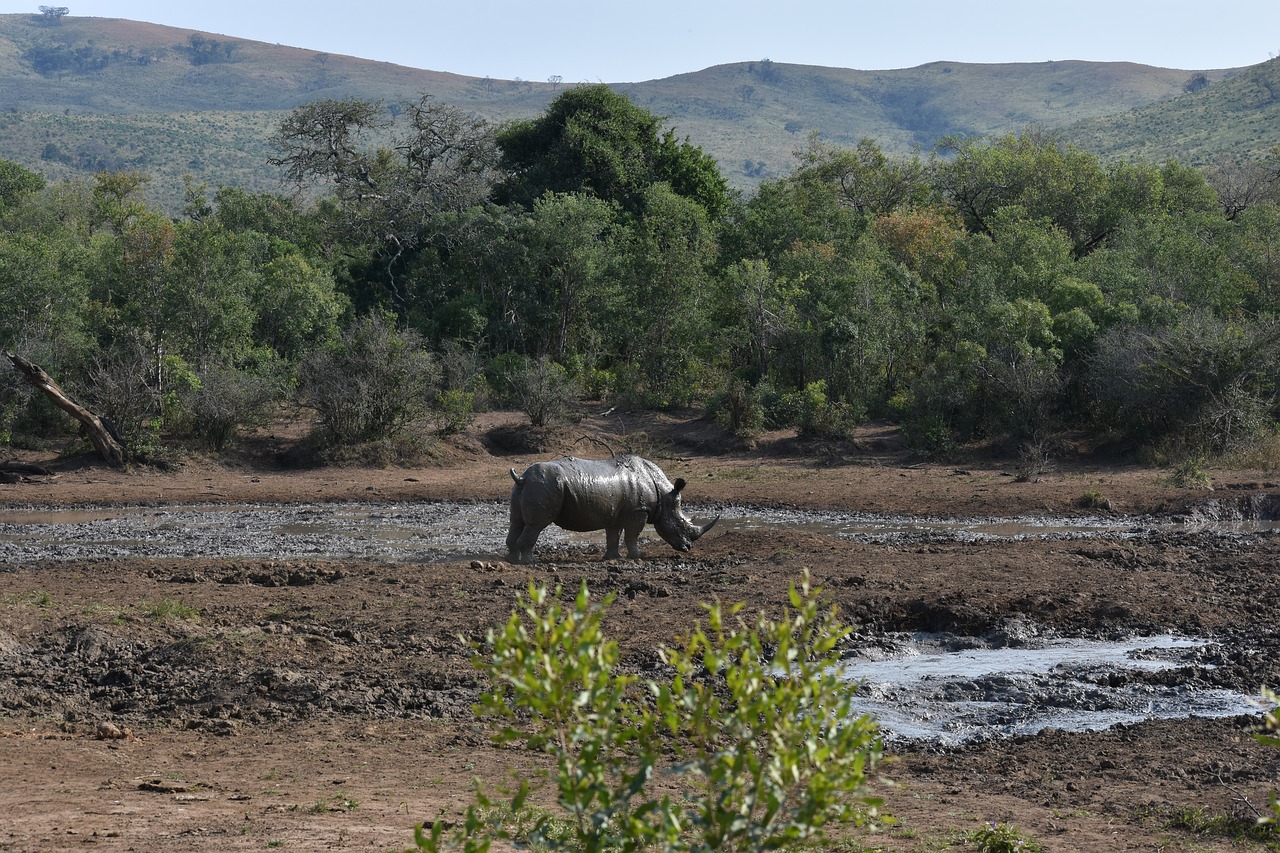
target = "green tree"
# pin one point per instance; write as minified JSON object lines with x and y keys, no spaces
{"x":1253,"y":246}
{"x":16,"y":182}
{"x":864,"y":177}
{"x":665,"y":333}
{"x":571,"y":241}
{"x":296,"y":306}
{"x":592,"y":139}
{"x":1172,"y":260}
{"x":1048,"y":180}
{"x":758,"y":310}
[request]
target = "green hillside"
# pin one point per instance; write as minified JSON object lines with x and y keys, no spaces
{"x":1236,"y":118}
{"x":92,"y":93}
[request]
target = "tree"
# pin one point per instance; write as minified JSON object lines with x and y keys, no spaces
{"x":760,"y":306}
{"x":864,"y":178}
{"x":1241,"y":184}
{"x":592,"y":139}
{"x":389,"y":180}
{"x":665,"y":332}
{"x":16,"y":182}
{"x":571,"y":245}
{"x":1048,"y":180}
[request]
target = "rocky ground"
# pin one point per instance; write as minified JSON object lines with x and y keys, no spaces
{"x":238,"y":703}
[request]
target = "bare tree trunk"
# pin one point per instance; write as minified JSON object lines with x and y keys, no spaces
{"x":102,"y":439}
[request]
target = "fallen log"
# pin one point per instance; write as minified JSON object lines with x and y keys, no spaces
{"x":24,"y":468}
{"x":110,"y":449}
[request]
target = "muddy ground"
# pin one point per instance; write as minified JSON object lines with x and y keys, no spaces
{"x":245,"y":704}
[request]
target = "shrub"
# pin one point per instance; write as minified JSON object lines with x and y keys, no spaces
{"x":224,"y":400}
{"x":1093,"y":499}
{"x":929,"y":436}
{"x":765,"y":729}
{"x":454,"y":411}
{"x":120,"y":387}
{"x":541,"y":389}
{"x":1190,"y":474}
{"x":814,"y":414}
{"x":462,"y":370}
{"x":752,"y":722}
{"x":370,"y":384}
{"x":738,"y":408}
{"x":1203,"y":384}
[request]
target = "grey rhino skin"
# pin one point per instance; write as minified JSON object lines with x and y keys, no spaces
{"x":617,"y":495}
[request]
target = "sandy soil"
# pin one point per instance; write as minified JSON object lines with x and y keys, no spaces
{"x":221,"y":705}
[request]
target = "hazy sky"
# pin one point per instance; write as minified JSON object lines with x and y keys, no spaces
{"x":618,"y":42}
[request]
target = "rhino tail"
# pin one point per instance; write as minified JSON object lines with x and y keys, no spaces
{"x":519,"y":481}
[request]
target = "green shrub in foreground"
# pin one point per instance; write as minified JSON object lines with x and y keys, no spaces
{"x":752,"y":723}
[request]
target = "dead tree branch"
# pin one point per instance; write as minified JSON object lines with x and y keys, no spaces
{"x":106,"y":444}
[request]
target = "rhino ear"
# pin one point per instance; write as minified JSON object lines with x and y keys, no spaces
{"x":680,"y":484}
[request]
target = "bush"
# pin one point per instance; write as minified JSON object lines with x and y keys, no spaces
{"x":120,"y":387}
{"x":752,"y":722}
{"x":814,"y":414}
{"x":462,"y":370}
{"x":454,"y":411}
{"x":1201,"y":384}
{"x":369,"y":385}
{"x":541,"y":389}
{"x":224,"y":400}
{"x":738,"y":408}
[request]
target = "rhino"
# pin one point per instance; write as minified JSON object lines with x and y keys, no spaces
{"x":618,"y":495}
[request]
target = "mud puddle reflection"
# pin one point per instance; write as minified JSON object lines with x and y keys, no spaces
{"x":951,"y":691}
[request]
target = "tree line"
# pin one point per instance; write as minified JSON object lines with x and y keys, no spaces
{"x":432,"y":263}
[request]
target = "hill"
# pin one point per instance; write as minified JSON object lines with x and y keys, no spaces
{"x":1236,"y":118}
{"x":86,"y":94}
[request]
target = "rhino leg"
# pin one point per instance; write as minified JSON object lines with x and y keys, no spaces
{"x":521,"y":536}
{"x":611,"y":537}
{"x":635,"y":524}
{"x":520,"y":549}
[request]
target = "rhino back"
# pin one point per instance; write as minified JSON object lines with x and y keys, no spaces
{"x":585,"y":494}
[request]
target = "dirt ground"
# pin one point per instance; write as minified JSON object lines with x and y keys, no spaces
{"x":220,"y":705}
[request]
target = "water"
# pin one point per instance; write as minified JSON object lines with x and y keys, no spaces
{"x":928,"y":689}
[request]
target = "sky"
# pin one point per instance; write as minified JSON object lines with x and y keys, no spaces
{"x":612,"y":41}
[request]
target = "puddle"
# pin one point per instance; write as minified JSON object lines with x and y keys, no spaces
{"x":425,"y":531}
{"x":922,"y":688}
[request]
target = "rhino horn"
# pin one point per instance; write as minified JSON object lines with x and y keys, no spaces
{"x":704,"y":528}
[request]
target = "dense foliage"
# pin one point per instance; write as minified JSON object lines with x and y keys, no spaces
{"x":1005,"y":288}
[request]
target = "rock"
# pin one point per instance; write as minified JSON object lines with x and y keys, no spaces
{"x":110,"y":731}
